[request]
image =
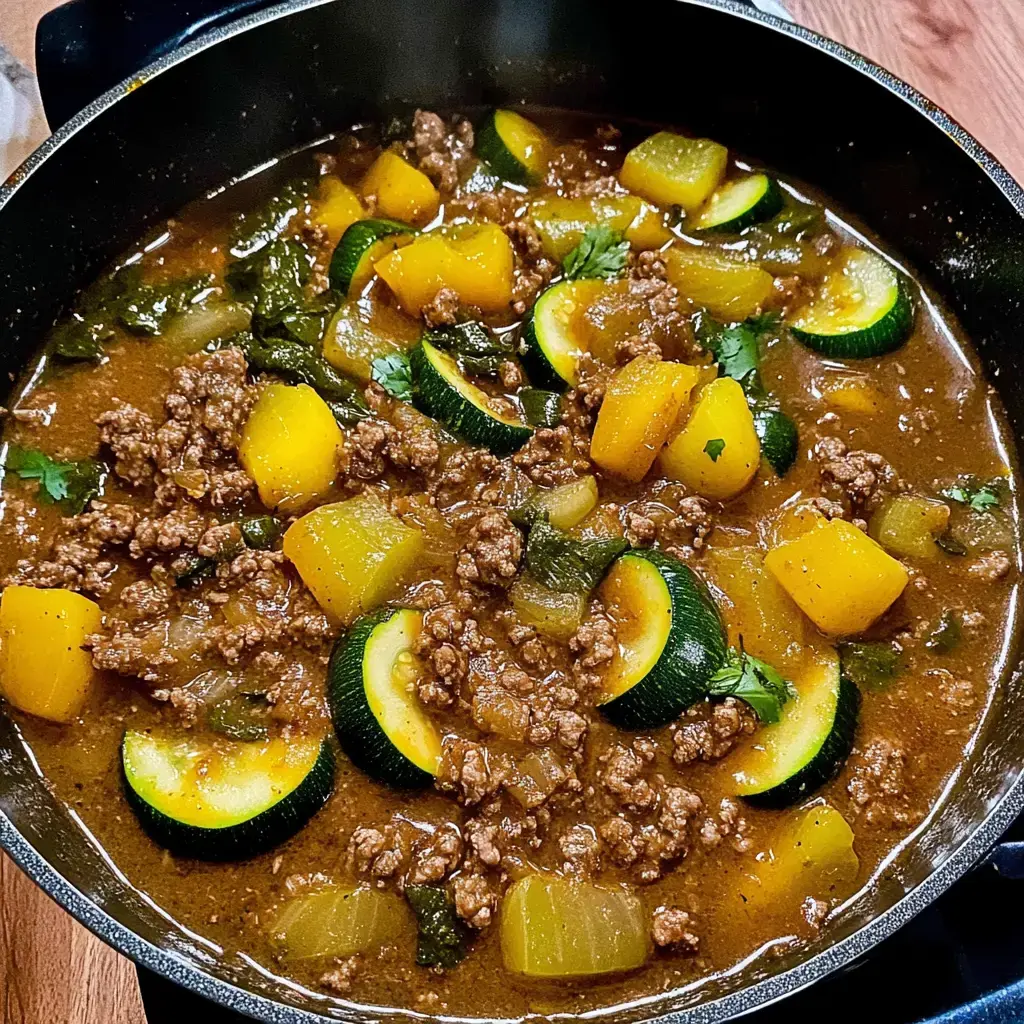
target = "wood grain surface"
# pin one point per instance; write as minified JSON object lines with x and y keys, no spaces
{"x":966,"y":55}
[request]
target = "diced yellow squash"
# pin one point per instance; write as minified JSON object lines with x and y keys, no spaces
{"x":554,"y":927}
{"x":640,"y":408}
{"x":673,"y":170}
{"x":717,"y":452}
{"x":363,"y":330}
{"x":290,"y":446}
{"x":336,"y":207}
{"x":561,"y":221}
{"x":44,"y":669}
{"x":811,"y":855}
{"x":351,"y":554}
{"x":851,"y":394}
{"x":729,"y":289}
{"x":792,"y":522}
{"x":402,"y":192}
{"x":908,"y":525}
{"x":841,"y":579}
{"x":476,"y":261}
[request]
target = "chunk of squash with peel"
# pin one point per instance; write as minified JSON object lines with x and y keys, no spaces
{"x":717,"y":452}
{"x":730,"y":289}
{"x":290,"y":446}
{"x":402,"y":192}
{"x":352,"y":554}
{"x":640,"y":408}
{"x":44,"y":668}
{"x":841,"y":579}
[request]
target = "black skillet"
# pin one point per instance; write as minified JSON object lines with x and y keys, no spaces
{"x":212,"y":106}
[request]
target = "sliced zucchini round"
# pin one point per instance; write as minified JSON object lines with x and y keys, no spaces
{"x":363,"y":244}
{"x":514,"y":147}
{"x":217,"y":799}
{"x":551,"y":345}
{"x":778,"y":436}
{"x":740,"y":203}
{"x":445,"y":393}
{"x":670,"y":636}
{"x":809,"y":744}
{"x":370,"y":689}
{"x":863,"y":308}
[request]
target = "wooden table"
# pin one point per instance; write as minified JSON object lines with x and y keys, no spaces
{"x":963,"y":54}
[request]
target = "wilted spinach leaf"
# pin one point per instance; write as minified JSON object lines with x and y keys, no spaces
{"x":566,"y":564}
{"x":477,"y":350}
{"x":871,"y":664}
{"x":541,"y":408}
{"x":274,"y":279}
{"x":260,"y":227}
{"x":443,"y":937}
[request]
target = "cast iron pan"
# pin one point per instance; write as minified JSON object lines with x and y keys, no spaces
{"x":212,"y":106}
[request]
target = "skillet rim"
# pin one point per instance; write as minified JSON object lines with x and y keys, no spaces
{"x":759,"y":994}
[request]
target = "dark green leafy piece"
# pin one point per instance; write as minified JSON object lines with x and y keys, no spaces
{"x":979,"y":499}
{"x":194,"y":569}
{"x":797,"y":218}
{"x":258,"y":228}
{"x":443,"y":938}
{"x":602,"y":252}
{"x":68,"y":485}
{"x":274,"y":279}
{"x":393,"y":373}
{"x":541,"y":408}
{"x":144,"y":308}
{"x":565,"y":564}
{"x":714,"y":447}
{"x":242,"y":716}
{"x":753,"y":681}
{"x":871,"y":664}
{"x":305,"y":323}
{"x":260,"y":532}
{"x":478,"y":351}
{"x":950,"y":544}
{"x":81,"y":338}
{"x":734,"y":349}
{"x":947,"y":634}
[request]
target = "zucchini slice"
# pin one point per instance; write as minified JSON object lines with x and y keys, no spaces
{"x":789,"y":760}
{"x":863,"y":308}
{"x":216,"y":799}
{"x":671,"y":639}
{"x":514,"y":147}
{"x":377,"y":718}
{"x":363,"y":244}
{"x":443,"y":392}
{"x":740,"y":203}
{"x":552,"y":345}
{"x":778,"y":436}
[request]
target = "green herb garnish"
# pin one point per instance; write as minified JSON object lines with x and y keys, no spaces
{"x":753,"y":681}
{"x":980,"y":499}
{"x":714,"y":447}
{"x":393,"y":373}
{"x":69,"y":485}
{"x":734,"y":349}
{"x":563,"y":563}
{"x":602,"y":252}
{"x":443,"y":938}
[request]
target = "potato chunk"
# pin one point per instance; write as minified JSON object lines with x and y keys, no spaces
{"x":290,"y":446}
{"x":402,"y":192}
{"x":43,"y":667}
{"x":352,"y":554}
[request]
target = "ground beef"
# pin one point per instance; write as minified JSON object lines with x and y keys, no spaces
{"x":623,"y":778}
{"x":181,"y":528}
{"x":634,"y":346}
{"x":434,"y":861}
{"x":988,"y":568}
{"x":673,"y":518}
{"x":405,"y":852}
{"x":145,"y":599}
{"x":466,"y":474}
{"x":511,"y":375}
{"x":476,"y":898}
{"x":128,"y":433}
{"x":491,"y":555}
{"x":707,"y":732}
{"x":471,"y":771}
{"x":130,"y":653}
{"x":365,"y":448}
{"x":580,"y":846}
{"x":863,"y":478}
{"x":729,"y":822}
{"x":442,"y":151}
{"x":549,"y":458}
{"x":339,"y":979}
{"x":442,"y":309}
{"x":671,"y":926}
{"x":878,"y":785}
{"x":594,"y":644}
{"x":440,"y":645}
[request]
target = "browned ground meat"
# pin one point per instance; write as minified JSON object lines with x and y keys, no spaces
{"x":878,"y":787}
{"x":442,"y":151}
{"x":491,"y":555}
{"x":471,"y":771}
{"x":990,"y":567}
{"x":443,"y":308}
{"x":707,"y":732}
{"x":549,"y":458}
{"x":863,"y":478}
{"x":679,"y":521}
{"x":671,"y":926}
{"x":594,"y":645}
{"x":339,"y":978}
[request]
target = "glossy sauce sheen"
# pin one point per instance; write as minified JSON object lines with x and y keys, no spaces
{"x":936,"y":420}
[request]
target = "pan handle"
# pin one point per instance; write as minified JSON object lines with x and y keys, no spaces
{"x":85,"y":47}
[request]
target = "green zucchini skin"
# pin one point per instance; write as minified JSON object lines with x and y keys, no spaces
{"x":491,"y":148}
{"x":767,"y":206}
{"x":437,"y":397}
{"x":778,"y":436}
{"x":359,"y":733}
{"x":694,"y":652}
{"x":826,"y":763}
{"x":359,"y":237}
{"x":238,"y":842}
{"x":885,"y":335}
{"x":541,"y":373}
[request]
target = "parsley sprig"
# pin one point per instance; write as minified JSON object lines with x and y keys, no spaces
{"x":753,"y":681}
{"x":980,"y":499}
{"x":393,"y":374}
{"x":69,"y":485}
{"x":714,"y":448}
{"x":602,"y":252}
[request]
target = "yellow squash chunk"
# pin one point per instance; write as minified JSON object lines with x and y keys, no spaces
{"x":717,"y":453}
{"x":290,"y":446}
{"x":552,"y":927}
{"x":363,"y":330}
{"x":336,"y":207}
{"x":908,"y":525}
{"x":402,"y":192}
{"x":811,"y":855}
{"x":839,"y":576}
{"x":475,"y":260}
{"x":673,"y":170}
{"x":856,"y":395}
{"x":641,"y":405}
{"x":351,"y":554}
{"x":561,"y":222}
{"x":43,"y":668}
{"x":729,"y":289}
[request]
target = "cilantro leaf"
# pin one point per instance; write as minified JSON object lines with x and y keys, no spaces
{"x":602,"y":252}
{"x":69,"y":485}
{"x":753,"y":681}
{"x":393,"y":374}
{"x":714,"y":448}
{"x":980,"y":499}
{"x":443,"y":938}
{"x":734,"y":349}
